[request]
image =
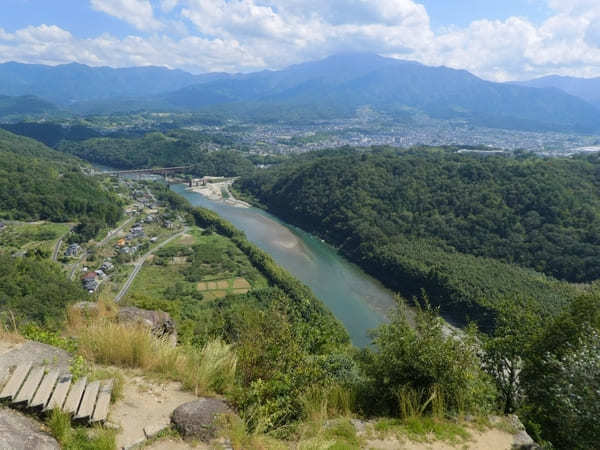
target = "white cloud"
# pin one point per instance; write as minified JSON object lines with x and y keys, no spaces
{"x":242,"y":35}
{"x":138,"y":13}
{"x":168,"y":5}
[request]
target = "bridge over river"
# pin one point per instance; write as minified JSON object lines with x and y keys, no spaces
{"x":149,"y":171}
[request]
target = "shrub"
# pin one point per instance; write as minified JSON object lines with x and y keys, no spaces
{"x":422,"y":368}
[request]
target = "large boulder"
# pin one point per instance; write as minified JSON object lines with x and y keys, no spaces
{"x":18,"y":432}
{"x":197,"y":419}
{"x":35,"y":352}
{"x":161,"y":323}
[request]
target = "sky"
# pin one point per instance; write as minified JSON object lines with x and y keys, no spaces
{"x":498,"y":40}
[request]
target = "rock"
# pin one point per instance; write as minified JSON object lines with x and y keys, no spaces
{"x":161,"y":323}
{"x":90,"y":307}
{"x":522,"y":441}
{"x":197,"y":419}
{"x":36,"y":353}
{"x":18,"y":432}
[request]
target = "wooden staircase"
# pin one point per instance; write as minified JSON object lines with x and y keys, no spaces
{"x":43,"y":388}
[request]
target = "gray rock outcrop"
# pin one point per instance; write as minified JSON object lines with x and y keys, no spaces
{"x":161,"y":323}
{"x":197,"y":419}
{"x":18,"y":432}
{"x":35,"y":353}
{"x":522,"y":441}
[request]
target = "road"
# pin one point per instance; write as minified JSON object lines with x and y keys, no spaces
{"x":111,"y":233}
{"x":57,"y":248}
{"x":103,"y":242}
{"x":140,"y":262}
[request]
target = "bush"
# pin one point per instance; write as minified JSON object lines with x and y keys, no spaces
{"x":422,"y":368}
{"x":561,"y":376}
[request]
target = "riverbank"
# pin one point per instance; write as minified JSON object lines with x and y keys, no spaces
{"x":355,"y":298}
{"x":220,"y":191}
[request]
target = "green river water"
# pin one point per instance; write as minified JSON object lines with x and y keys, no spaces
{"x":359,"y":301}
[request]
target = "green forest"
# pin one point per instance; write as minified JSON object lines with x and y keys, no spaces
{"x":35,"y":291}
{"x":175,"y":148}
{"x":468,"y":229}
{"x":37,"y":183}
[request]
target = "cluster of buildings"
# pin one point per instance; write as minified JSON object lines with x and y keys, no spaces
{"x":123,"y":244}
{"x":91,"y":280}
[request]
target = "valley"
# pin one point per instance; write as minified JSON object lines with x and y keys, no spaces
{"x":296,"y":269}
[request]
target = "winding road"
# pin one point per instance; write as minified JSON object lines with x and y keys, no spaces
{"x":140,"y":263}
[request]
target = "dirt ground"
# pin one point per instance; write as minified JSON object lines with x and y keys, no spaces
{"x":492,"y":439}
{"x":145,"y":405}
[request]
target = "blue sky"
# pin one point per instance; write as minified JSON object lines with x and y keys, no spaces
{"x":81,"y":19}
{"x":462,"y":12}
{"x":495,"y":39}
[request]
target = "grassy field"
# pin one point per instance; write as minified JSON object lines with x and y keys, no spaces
{"x":21,"y":237}
{"x":208,"y":264}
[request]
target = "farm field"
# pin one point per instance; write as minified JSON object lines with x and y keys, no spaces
{"x":206,"y":266}
{"x":20,"y":237}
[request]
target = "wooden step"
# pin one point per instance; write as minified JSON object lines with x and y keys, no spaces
{"x":4,"y":376}
{"x":43,"y":393}
{"x":103,"y":402}
{"x":74,"y":397}
{"x":60,"y":392}
{"x":30,"y":386}
{"x":15,"y":382}
{"x":89,"y":400}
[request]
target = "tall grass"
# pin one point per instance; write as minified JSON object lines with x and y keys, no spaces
{"x":59,"y":424}
{"x":322,"y":403}
{"x":415,"y":402}
{"x":203,"y":371}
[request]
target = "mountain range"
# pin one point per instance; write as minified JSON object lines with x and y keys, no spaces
{"x":587,"y":89}
{"x":334,"y":87}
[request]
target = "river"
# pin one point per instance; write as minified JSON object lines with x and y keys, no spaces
{"x":358,"y":300}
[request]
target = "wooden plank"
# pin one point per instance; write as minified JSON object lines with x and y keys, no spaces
{"x":30,"y":386}
{"x":89,"y":400}
{"x":43,"y":393}
{"x":101,"y":410}
{"x":74,"y":397}
{"x":15,"y":382}
{"x":4,"y":376}
{"x":60,"y":392}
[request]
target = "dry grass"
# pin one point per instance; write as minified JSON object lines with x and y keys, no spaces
{"x":241,"y":283}
{"x":8,"y":329}
{"x":78,"y":318}
{"x":203,"y":371}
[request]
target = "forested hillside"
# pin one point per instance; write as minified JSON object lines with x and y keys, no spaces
{"x":175,"y":148}
{"x":39,"y":183}
{"x":34,"y":290}
{"x":468,"y":229}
